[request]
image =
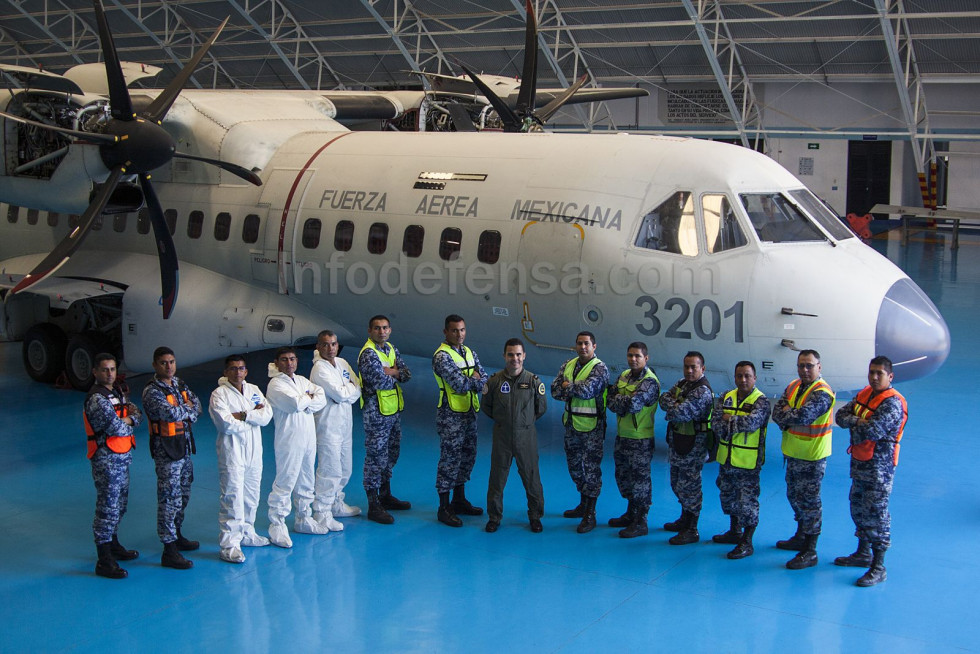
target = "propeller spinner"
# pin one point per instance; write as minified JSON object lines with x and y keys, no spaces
{"x":131,"y":144}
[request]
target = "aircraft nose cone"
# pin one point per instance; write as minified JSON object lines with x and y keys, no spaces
{"x":911,"y":332}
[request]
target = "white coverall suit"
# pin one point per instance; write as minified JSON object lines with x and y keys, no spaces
{"x":295,"y":446}
{"x":334,"y":424}
{"x":239,"y":445}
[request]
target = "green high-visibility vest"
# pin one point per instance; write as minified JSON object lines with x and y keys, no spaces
{"x":809,"y":442}
{"x":458,"y":402}
{"x":742,"y":449}
{"x":390,"y":401}
{"x":584,"y":413}
{"x":636,"y":425}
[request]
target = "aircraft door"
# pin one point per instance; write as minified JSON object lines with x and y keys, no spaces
{"x":282,"y":194}
{"x":544,"y":294}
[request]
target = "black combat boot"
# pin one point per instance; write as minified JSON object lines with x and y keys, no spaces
{"x":588,"y":516}
{"x":794,"y":542}
{"x":730,"y":537}
{"x":578,"y":511}
{"x":106,"y":565}
{"x":172,"y":558}
{"x":678,"y":524}
{"x":639,"y":525}
{"x":119,"y":552}
{"x":689,"y":532}
{"x":391,"y":502}
{"x":807,"y":558}
{"x":860,"y":559}
{"x":744,"y":547}
{"x":185,"y":545}
{"x":376,"y":512}
{"x":445,"y":514}
{"x":461,"y":505}
{"x":626,"y":519}
{"x":877,"y":573}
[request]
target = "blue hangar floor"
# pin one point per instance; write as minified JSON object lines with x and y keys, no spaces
{"x":421,"y":586}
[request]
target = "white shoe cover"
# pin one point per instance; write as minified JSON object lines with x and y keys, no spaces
{"x":325,"y":520}
{"x":308,"y":525}
{"x":232,"y":555}
{"x":279,"y":535}
{"x":252,"y":539}
{"x":343,"y":510}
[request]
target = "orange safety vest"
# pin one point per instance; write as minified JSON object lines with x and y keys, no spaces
{"x":117,"y":444}
{"x":169,"y":429}
{"x":864,"y":407}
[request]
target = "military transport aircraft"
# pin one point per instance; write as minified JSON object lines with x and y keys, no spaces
{"x":681,"y":243}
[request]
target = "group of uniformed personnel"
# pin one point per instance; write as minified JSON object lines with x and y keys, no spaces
{"x":313,"y":424}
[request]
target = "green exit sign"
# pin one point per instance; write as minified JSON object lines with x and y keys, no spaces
{"x":812,"y":146}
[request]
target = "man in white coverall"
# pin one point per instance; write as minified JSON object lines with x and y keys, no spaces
{"x":239,"y":411}
{"x":294,"y":400}
{"x":333,"y":432}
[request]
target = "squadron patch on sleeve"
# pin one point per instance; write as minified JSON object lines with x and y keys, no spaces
{"x":540,"y":388}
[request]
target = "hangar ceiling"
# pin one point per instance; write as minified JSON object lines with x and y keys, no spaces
{"x":377,"y":44}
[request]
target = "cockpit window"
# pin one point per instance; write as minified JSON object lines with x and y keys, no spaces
{"x":720,"y":224}
{"x":822,"y":214}
{"x":777,"y":220}
{"x":670,"y":227}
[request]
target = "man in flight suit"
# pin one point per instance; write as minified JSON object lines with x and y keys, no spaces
{"x":514,"y":399}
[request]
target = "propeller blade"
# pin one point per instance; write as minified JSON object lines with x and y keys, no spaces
{"x":461,"y":118}
{"x":161,"y":104}
{"x":512,"y":122}
{"x":169,"y":281}
{"x":529,"y":78}
{"x":234,"y":169}
{"x":63,"y":251}
{"x":119,"y":102}
{"x":88,"y":136}
{"x":550,"y":109}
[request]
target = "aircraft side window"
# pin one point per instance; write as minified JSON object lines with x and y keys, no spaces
{"x":53,"y":218}
{"x":32,"y":216}
{"x":720,"y":224}
{"x":13,"y":212}
{"x":378,"y":238}
{"x":222,"y":226}
{"x":250,"y":228}
{"x":311,"y":233}
{"x":170,"y":215}
{"x":119,"y":222}
{"x":776,"y":220}
{"x":488,"y":251}
{"x":822,"y":213}
{"x":450,"y":243}
{"x":195,"y":224}
{"x":412,"y":242}
{"x":143,"y":221}
{"x":670,"y":227}
{"x":343,"y":236}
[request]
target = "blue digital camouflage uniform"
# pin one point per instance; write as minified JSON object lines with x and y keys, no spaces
{"x":694,"y":405}
{"x":175,"y":474}
{"x":110,"y":470}
{"x":871,"y":481}
{"x":457,"y":431}
{"x":583,"y":450}
{"x":632,"y":456}
{"x":804,"y":478}
{"x":739,"y":487}
{"x":382,"y":434}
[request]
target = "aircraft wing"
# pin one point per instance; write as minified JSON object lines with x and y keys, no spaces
{"x":920,"y":212}
{"x":544,"y":96}
{"x":508,"y":90}
{"x":63,"y":291}
{"x":32,"y":78}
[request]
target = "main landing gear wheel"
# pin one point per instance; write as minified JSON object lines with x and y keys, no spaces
{"x":80,"y":359}
{"x":44,"y":352}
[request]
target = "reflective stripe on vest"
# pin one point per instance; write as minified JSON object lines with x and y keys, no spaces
{"x":636,"y":425}
{"x":115,"y":443}
{"x":809,"y":442}
{"x":459,"y":402}
{"x":390,"y":401}
{"x":585,"y":414}
{"x":165,"y":428}
{"x":864,"y":407}
{"x":742,"y":449}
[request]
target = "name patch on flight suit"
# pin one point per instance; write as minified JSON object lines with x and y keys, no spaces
{"x":523,"y":386}
{"x":505,"y":387}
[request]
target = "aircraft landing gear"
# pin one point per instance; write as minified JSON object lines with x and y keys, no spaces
{"x":44,"y":350}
